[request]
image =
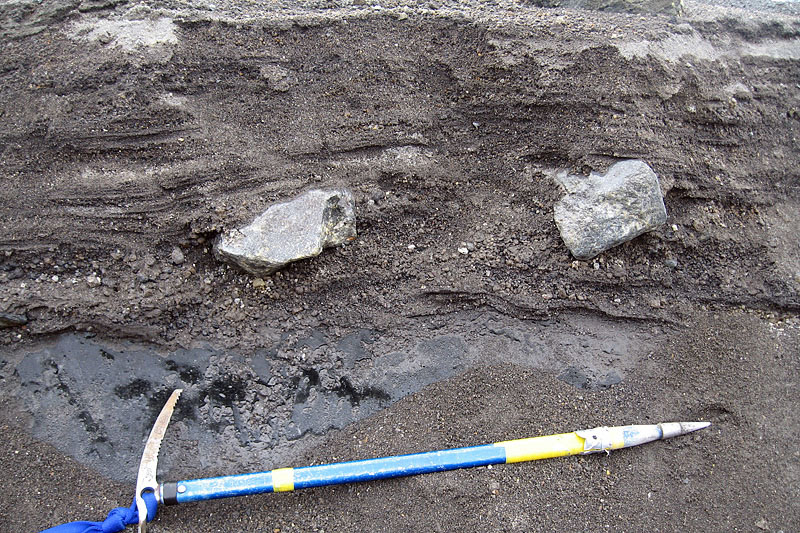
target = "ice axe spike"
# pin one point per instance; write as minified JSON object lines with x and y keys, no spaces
{"x":601,"y":439}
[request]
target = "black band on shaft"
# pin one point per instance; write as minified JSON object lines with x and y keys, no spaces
{"x":169,"y":491}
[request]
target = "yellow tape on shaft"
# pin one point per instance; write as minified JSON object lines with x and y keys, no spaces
{"x":283,"y":480}
{"x":542,"y":447}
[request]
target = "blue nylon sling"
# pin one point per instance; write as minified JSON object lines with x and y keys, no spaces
{"x":116,"y":520}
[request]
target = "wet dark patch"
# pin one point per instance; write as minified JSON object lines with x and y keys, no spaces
{"x":314,"y":341}
{"x":352,"y":345}
{"x":282,"y":394}
{"x":188,"y":373}
{"x":261,"y":365}
{"x":610,"y":379}
{"x":137,"y":387}
{"x":575,"y":377}
{"x":356,"y":395}
{"x":106,"y":405}
{"x":582,"y":379}
{"x":312,"y":376}
{"x":304,"y":384}
{"x":91,"y":426}
{"x":226,"y":390}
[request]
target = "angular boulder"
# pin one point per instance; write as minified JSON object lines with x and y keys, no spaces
{"x":291,"y":231}
{"x":604,"y":210}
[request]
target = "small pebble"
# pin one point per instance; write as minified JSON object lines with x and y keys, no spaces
{"x":177,"y":256}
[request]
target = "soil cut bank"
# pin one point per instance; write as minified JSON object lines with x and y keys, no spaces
{"x":133,"y":135}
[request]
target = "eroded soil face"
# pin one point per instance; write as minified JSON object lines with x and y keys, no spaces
{"x":127,"y":133}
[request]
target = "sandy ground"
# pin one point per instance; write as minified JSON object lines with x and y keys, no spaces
{"x":132,"y":129}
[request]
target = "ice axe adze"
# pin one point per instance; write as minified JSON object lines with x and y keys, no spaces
{"x":287,"y":479}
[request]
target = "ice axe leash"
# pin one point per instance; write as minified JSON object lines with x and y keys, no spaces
{"x":150,"y":493}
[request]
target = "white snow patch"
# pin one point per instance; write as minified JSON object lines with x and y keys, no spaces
{"x":128,"y":34}
{"x":680,"y":47}
{"x":671,"y":49}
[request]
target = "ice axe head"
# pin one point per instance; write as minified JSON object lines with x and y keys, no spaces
{"x":146,"y":480}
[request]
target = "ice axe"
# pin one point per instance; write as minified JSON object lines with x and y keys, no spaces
{"x":600,"y":439}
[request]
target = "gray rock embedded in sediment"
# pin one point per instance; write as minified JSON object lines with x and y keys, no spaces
{"x":291,"y":231}
{"x":10,"y":320}
{"x":604,"y":210}
{"x":177,"y":256}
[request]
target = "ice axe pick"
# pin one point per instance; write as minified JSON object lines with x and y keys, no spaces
{"x":146,"y":478}
{"x":600,"y":439}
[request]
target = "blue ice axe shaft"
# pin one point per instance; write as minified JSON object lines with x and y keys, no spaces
{"x":289,"y":479}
